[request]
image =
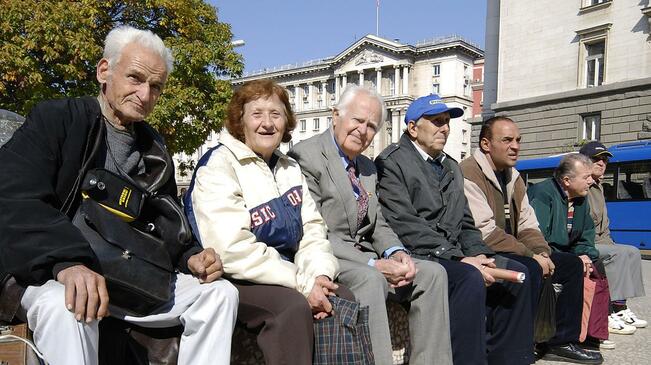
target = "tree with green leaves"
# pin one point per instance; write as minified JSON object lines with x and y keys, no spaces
{"x":49,"y":49}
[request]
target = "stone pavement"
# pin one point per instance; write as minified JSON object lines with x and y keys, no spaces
{"x":632,"y":349}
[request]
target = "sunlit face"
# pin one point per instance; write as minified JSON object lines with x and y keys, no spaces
{"x":504,"y":146}
{"x":430,"y":132}
{"x":264,"y":121}
{"x":355,"y":128}
{"x":133,"y":84}
{"x":599,"y":164}
{"x":578,"y":185}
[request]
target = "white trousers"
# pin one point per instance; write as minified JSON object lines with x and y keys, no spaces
{"x":207,"y":312}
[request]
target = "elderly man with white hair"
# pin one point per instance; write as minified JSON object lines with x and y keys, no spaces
{"x":50,"y":276}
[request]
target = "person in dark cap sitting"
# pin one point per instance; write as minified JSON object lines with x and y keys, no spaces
{"x":622,"y":262}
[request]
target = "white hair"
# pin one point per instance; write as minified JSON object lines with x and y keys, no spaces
{"x":351,"y":91}
{"x":123,"y":35}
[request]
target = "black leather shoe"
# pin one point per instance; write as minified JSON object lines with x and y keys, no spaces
{"x":571,"y":352}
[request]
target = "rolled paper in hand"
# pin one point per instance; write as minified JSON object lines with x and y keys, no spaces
{"x":504,"y":274}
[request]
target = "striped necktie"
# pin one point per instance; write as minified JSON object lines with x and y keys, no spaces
{"x":362,"y":196}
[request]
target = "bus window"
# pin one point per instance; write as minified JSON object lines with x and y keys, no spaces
{"x":633,"y":181}
{"x":534,"y":177}
{"x":608,"y":183}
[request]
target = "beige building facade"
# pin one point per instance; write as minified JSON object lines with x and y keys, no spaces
{"x":399,"y":72}
{"x":569,"y":71}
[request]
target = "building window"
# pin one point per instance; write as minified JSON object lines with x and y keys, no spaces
{"x":303,"y":125}
{"x":290,"y":144}
{"x":590,"y":127}
{"x":315,"y":122}
{"x":594,"y":63}
{"x":306,"y":93}
{"x":436,"y":69}
{"x":436,"y":88}
{"x":329,"y":121}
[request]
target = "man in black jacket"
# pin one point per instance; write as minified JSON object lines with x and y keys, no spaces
{"x":48,"y":270}
{"x":422,"y":198}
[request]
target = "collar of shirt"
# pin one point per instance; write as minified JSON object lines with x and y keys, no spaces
{"x":425,"y":156}
{"x":344,"y":159}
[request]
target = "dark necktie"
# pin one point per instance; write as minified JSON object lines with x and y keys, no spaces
{"x":362,"y":196}
{"x":436,"y":166}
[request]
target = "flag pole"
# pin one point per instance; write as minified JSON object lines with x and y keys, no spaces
{"x":377,"y":18}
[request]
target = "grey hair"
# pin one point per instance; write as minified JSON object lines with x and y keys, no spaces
{"x":567,"y":166}
{"x":351,"y":91}
{"x":123,"y":35}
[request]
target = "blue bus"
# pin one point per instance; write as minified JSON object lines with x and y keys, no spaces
{"x":627,"y":187}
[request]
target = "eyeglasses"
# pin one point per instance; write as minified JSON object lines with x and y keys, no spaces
{"x":600,"y":158}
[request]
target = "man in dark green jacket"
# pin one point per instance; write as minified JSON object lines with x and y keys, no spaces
{"x":562,"y":208}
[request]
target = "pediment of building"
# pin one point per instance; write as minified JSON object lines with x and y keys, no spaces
{"x":371,"y":52}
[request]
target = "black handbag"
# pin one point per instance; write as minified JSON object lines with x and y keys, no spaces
{"x":127,"y":229}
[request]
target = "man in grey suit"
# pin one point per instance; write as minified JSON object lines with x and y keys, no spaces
{"x":374,"y":263}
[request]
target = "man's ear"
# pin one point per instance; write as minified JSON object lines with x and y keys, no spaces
{"x":566,"y":181}
{"x":335,"y":116}
{"x":102,"y":71}
{"x":484,"y":145}
{"x":412,"y":129}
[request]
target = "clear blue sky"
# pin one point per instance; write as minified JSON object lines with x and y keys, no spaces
{"x":289,"y":31}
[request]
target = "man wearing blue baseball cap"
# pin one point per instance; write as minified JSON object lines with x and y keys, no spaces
{"x":422,"y":196}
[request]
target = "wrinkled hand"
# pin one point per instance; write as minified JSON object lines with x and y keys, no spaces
{"x":206,"y":265}
{"x":587,"y":264}
{"x":546,"y":264}
{"x":404,"y":258}
{"x":480,"y":262}
{"x":394,"y":271}
{"x":85,"y":292}
{"x":318,"y":297}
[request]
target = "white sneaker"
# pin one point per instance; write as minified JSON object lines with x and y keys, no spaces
{"x":617,"y":326}
{"x":630,"y":318}
{"x":606,"y":344}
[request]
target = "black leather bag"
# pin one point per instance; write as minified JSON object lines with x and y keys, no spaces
{"x":127,"y":229}
{"x":135,"y":264}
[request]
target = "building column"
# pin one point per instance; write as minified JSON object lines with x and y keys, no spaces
{"x":310,"y":95}
{"x":396,"y":80}
{"x":361,"y":78}
{"x":337,"y":87}
{"x":395,"y":126}
{"x":405,"y":80}
{"x":345,"y":82}
{"x":324,"y":94}
{"x":297,"y":98}
{"x":378,"y":80}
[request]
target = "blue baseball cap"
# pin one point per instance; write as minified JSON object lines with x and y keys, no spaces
{"x":430,"y":105}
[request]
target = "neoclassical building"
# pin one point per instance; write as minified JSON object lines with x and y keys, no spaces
{"x":399,"y":72}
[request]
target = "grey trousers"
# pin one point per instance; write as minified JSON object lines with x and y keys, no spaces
{"x":623,"y":265}
{"x":429,"y":324}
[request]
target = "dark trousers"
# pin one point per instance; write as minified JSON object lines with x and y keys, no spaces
{"x":509,"y":318}
{"x":491,"y":325}
{"x":283,"y":319}
{"x":467,"y":303}
{"x":569,"y":304}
